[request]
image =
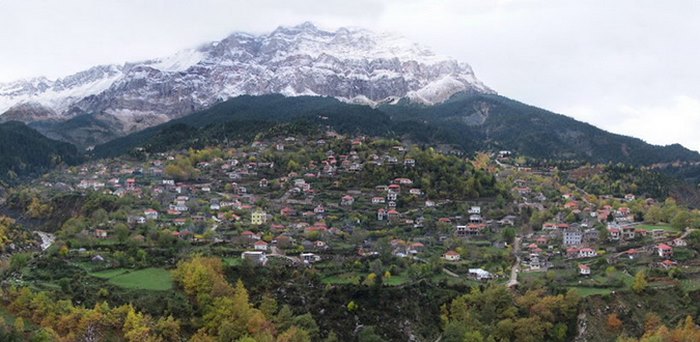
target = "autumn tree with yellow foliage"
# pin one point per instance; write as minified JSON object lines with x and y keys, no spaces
{"x":228,"y":313}
{"x":686,"y":330}
{"x":67,"y":322}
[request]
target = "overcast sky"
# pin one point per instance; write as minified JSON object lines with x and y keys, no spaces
{"x":628,"y":66}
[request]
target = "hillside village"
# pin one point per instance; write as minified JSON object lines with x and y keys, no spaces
{"x":356,"y":211}
{"x":308,"y":200}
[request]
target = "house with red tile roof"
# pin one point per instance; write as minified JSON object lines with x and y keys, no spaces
{"x":584,"y":269}
{"x":451,"y":256}
{"x":664,"y":250}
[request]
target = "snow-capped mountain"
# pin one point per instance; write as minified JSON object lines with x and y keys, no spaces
{"x":353,"y":65}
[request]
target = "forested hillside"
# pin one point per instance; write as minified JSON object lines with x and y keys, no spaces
{"x":25,"y":152}
{"x":483,"y":121}
{"x":241,"y":117}
{"x":470,"y":122}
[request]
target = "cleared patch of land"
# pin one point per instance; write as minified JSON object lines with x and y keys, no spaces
{"x":590,"y":291}
{"x":663,"y":226}
{"x":155,"y":279}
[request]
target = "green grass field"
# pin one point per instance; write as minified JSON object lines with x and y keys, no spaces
{"x":354,"y":279}
{"x":590,"y":291}
{"x":690,"y":284}
{"x":529,"y":276}
{"x":109,"y":274}
{"x":342,"y":279}
{"x":396,"y":280}
{"x":155,"y":279}
{"x":233,"y":261}
{"x":666,"y":227}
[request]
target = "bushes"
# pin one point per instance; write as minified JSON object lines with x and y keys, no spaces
{"x":496,"y":313}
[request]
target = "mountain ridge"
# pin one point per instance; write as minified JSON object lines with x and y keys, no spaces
{"x":404,"y":83}
{"x":353,"y":65}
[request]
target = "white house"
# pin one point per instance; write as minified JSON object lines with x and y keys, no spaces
{"x":584,"y":269}
{"x":664,"y":250}
{"x":151,"y":214}
{"x":479,"y":274}
{"x":680,"y":242}
{"x":475,"y":218}
{"x":451,"y":256}
{"x":309,"y":257}
{"x":586,"y":253}
{"x":257,"y":257}
{"x":403,"y":181}
{"x":250,"y":235}
{"x":260,"y":245}
{"x":378,"y":200}
{"x":614,"y":233}
{"x":347,"y":200}
{"x":381,"y":214}
{"x":573,"y":237}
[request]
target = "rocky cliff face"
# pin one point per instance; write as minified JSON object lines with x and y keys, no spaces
{"x":353,"y":65}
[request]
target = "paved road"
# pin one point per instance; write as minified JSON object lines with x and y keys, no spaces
{"x":516,"y":267}
{"x":687,"y":232}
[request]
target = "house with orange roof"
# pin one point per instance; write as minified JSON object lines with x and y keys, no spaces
{"x":451,"y":256}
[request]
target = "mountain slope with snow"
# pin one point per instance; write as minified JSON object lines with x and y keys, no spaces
{"x":353,"y":65}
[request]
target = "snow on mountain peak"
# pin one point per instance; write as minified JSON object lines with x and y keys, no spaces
{"x":180,"y":61}
{"x":351,"y":64}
